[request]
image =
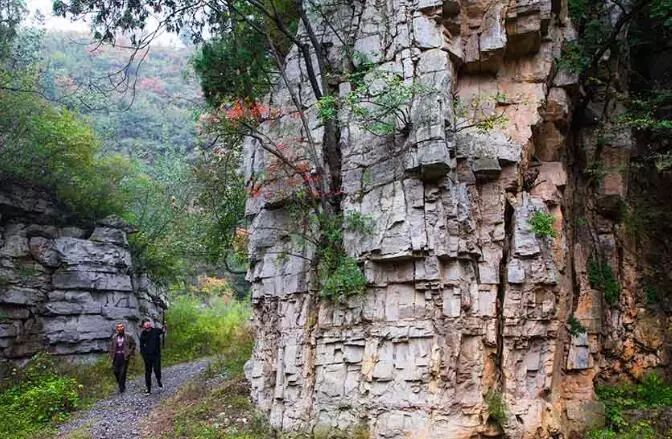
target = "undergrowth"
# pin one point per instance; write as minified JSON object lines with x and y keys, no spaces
{"x":633,"y":411}
{"x":602,"y":278}
{"x":197,"y":329}
{"x":44,"y":393}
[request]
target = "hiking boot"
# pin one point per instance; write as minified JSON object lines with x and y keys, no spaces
{"x":148,"y":392}
{"x":160,"y":385}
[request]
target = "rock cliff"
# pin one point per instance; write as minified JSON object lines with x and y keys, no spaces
{"x":466,"y":303}
{"x":63,"y":284}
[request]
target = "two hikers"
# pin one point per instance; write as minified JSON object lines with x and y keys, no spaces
{"x":122,"y":348}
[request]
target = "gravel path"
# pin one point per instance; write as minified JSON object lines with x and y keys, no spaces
{"x":119,"y":416}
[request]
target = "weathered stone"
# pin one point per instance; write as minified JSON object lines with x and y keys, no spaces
{"x":60,"y":292}
{"x":109,"y":235}
{"x":42,"y":250}
{"x":75,"y":252}
{"x":15,"y":246}
{"x":20,"y":296}
{"x":462,"y":297}
{"x":91,"y":280}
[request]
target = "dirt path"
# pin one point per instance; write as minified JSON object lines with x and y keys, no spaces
{"x":119,"y":416}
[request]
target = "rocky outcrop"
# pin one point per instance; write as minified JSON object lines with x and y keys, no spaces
{"x":466,"y":303}
{"x":63,"y":287}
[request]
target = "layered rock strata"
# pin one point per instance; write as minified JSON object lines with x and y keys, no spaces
{"x":63,"y":287}
{"x":465,"y":303}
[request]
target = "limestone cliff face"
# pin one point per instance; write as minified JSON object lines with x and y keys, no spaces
{"x":463,"y":298}
{"x":63,"y":287}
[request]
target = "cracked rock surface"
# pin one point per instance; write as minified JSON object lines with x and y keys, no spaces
{"x":63,"y":287}
{"x":463,"y":297}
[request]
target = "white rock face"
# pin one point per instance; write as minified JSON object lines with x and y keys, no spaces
{"x":63,"y":288}
{"x":462,"y":296}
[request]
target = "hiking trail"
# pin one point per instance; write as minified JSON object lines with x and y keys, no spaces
{"x":120,"y":415}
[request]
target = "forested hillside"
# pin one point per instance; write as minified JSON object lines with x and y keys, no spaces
{"x":152,"y":111}
{"x":453,"y":215}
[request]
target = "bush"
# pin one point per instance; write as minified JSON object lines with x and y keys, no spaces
{"x":496,"y":407}
{"x":602,"y":278}
{"x":542,"y":224}
{"x":575,"y":326}
{"x":51,"y":147}
{"x":197,"y":329}
{"x":38,"y":396}
{"x":631,"y":409}
{"x":346,"y":280}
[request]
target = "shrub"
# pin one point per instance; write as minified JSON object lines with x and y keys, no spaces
{"x":37,"y":397}
{"x":496,"y":407}
{"x":575,"y":326}
{"x":346,"y":280}
{"x":542,"y":224}
{"x":52,"y":147}
{"x":624,"y":400}
{"x":197,"y":329}
{"x":602,"y":278}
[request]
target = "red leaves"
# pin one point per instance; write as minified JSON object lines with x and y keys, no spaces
{"x":249,"y":111}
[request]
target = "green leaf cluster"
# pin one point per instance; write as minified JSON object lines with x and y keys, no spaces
{"x":542,"y":224}
{"x":575,"y":326}
{"x":602,"y":278}
{"x":340,"y":274}
{"x":494,"y":400}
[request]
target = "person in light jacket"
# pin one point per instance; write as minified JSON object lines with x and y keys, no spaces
{"x":121,"y":349}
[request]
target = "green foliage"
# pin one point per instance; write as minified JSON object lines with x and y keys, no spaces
{"x":622,"y":401}
{"x":496,"y":407}
{"x":573,"y":59}
{"x":575,"y":326}
{"x":478,"y":112}
{"x":53,"y":148}
{"x":357,"y":222}
{"x":345,"y":280}
{"x":238,"y":64}
{"x":199,"y":329}
{"x":237,"y":67}
{"x":651,"y":294}
{"x":327,"y":108}
{"x":340,"y":274}
{"x":602,"y":278}
{"x":381,"y":101}
{"x":38,"y":397}
{"x":542,"y":224}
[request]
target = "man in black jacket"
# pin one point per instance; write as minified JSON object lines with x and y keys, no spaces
{"x":150,"y":348}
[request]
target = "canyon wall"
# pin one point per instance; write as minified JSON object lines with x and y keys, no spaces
{"x":64,"y":284}
{"x":465,"y":303}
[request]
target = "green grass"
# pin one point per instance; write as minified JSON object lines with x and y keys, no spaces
{"x":197,"y":330}
{"x":632,"y":410}
{"x":37,"y":398}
